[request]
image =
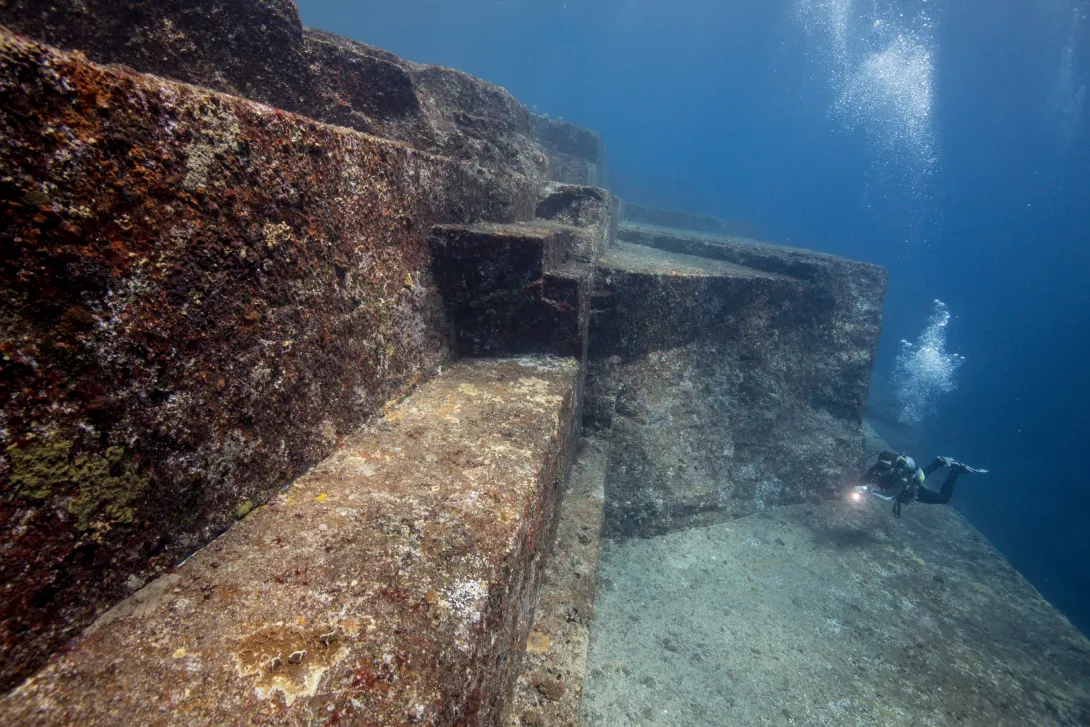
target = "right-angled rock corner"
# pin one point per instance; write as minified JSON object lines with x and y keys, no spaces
{"x":730,"y":375}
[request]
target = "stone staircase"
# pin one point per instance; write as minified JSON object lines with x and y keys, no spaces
{"x":372,"y":350}
{"x":377,"y":576}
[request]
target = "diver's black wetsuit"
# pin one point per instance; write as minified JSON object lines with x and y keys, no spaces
{"x":942,"y":496}
{"x":895,"y":477}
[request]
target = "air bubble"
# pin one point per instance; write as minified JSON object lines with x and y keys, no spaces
{"x":925,"y":371}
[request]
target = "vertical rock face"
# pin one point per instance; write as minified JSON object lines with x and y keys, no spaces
{"x":727,"y":387}
{"x":576,"y":155}
{"x":199,"y":295}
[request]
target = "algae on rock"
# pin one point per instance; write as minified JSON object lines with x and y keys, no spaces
{"x":106,"y":485}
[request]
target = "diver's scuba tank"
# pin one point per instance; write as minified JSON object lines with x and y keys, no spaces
{"x":895,"y":478}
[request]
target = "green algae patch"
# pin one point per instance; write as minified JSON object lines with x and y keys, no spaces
{"x":39,"y":466}
{"x":244,"y":509}
{"x":106,"y":485}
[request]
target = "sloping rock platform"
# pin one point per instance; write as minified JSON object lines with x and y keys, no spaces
{"x":831,"y":614}
{"x":730,"y":374}
{"x":394,"y":583}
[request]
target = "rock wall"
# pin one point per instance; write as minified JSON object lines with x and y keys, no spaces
{"x":200,"y":294}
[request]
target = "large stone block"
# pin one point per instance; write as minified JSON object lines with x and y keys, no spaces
{"x":435,"y":108}
{"x":727,"y":388}
{"x":395,"y":583}
{"x":590,"y":211}
{"x":200,"y":294}
{"x":510,"y":289}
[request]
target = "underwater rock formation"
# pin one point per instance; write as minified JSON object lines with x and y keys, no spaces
{"x":259,"y":50}
{"x":201,"y":295}
{"x":576,"y":155}
{"x":453,"y":498}
{"x":732,"y":375}
{"x":213,"y":276}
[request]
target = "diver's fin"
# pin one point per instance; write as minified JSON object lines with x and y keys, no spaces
{"x":961,"y":466}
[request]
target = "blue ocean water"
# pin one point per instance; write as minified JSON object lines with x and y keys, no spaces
{"x":946,"y":140}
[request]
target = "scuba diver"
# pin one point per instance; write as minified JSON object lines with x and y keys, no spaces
{"x":896,"y":478}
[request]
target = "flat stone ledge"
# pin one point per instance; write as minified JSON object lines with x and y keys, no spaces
{"x":639,"y":214}
{"x":639,"y":259}
{"x":781,"y":259}
{"x":391,"y":584}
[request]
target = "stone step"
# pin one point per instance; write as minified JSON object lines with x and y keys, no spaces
{"x":593,"y":211}
{"x":394,"y":583}
{"x":780,"y":259}
{"x":512,"y":288}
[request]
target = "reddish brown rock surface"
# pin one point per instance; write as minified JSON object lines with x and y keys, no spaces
{"x":200,"y":295}
{"x":259,"y":49}
{"x":393,"y":584}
